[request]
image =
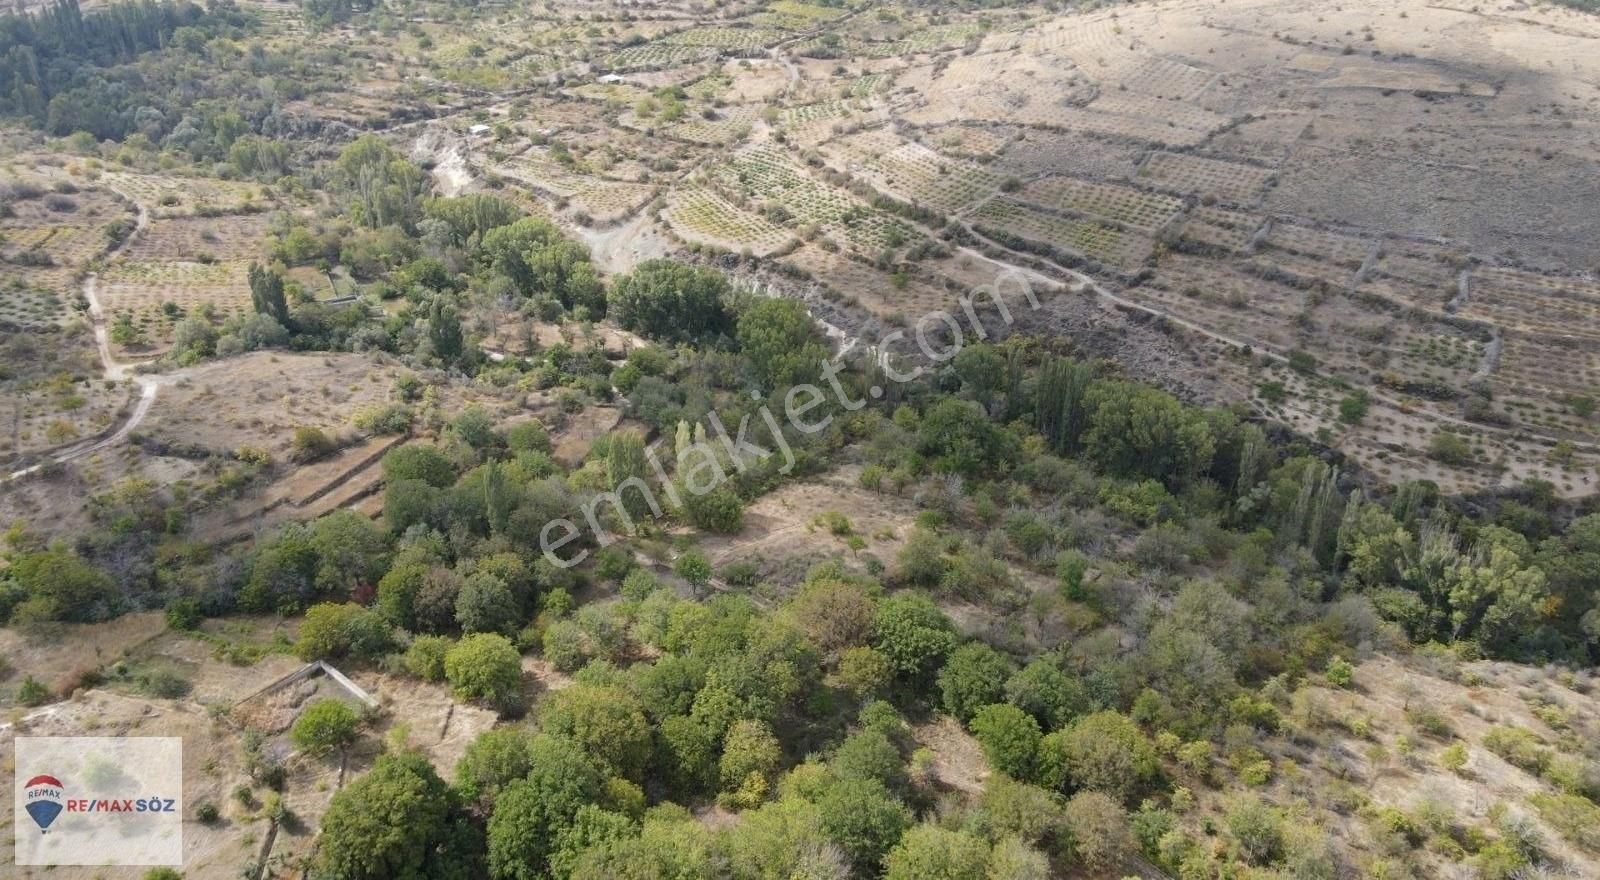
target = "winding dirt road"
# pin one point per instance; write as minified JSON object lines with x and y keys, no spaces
{"x":114,"y":370}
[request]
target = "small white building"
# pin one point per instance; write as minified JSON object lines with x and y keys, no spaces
{"x":479,"y":130}
{"x":611,"y":79}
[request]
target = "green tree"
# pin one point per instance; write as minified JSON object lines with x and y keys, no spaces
{"x":323,"y":726}
{"x":425,"y":657}
{"x":688,"y":748}
{"x":259,"y":157}
{"x":470,"y":217}
{"x":267,"y":296}
{"x":693,"y":568}
{"x":384,"y":188}
{"x":672,"y":302}
{"x":69,"y":587}
{"x":1061,"y":402}
{"x":1257,"y":829}
{"x":1448,"y":447}
{"x":1104,"y":751}
{"x":475,"y":427}
{"x":836,"y":614}
{"x":411,"y":502}
{"x":913,"y":633}
{"x":928,"y":852}
{"x":974,"y":676}
{"x":750,"y":757}
{"x":530,"y":814}
{"x":485,"y":604}
{"x":397,"y":591}
{"x":398,"y":821}
{"x":778,"y":336}
{"x":1135,"y":430}
{"x":444,"y":330}
{"x":351,"y":550}
{"x":419,"y":461}
{"x":960,"y":438}
{"x":565,"y":646}
{"x":498,"y":757}
{"x":528,"y":436}
{"x":1012,"y":808}
{"x":331,"y":631}
{"x":1339,"y":673}
{"x":864,"y":819}
{"x":591,"y":826}
{"x":870,"y":754}
{"x":1047,"y":693}
{"x":671,"y":846}
{"x":541,"y":262}
{"x":608,"y":722}
{"x":1353,"y":407}
{"x":982,"y":370}
{"x":1009,"y":737}
{"x":485,"y":667}
{"x":1497,"y":596}
{"x":627,"y":470}
{"x":1013,"y":859}
{"x":1071,"y":567}
{"x":1099,"y":825}
{"x":719,"y":511}
{"x":865,"y":672}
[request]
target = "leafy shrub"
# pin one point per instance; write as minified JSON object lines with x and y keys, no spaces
{"x":32,"y":692}
{"x":331,"y":631}
{"x":1575,"y":818}
{"x":1339,"y":673}
{"x":1519,"y":748}
{"x":425,"y":657}
{"x":162,"y":682}
{"x":310,"y":444}
{"x":184,"y":614}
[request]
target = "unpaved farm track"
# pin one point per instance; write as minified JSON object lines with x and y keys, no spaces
{"x":115,"y":370}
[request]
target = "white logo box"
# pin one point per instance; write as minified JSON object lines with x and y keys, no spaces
{"x":98,"y":800}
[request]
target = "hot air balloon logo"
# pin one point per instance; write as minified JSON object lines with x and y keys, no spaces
{"x":42,"y":799}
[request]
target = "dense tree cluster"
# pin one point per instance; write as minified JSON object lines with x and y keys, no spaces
{"x":60,"y":67}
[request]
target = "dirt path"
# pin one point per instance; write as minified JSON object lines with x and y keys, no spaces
{"x":115,"y":370}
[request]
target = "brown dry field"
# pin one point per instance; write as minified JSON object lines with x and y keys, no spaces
{"x":210,"y":720}
{"x":1394,"y":761}
{"x":258,"y":400}
{"x":782,"y":537}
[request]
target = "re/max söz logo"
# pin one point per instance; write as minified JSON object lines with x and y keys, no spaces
{"x":44,"y":799}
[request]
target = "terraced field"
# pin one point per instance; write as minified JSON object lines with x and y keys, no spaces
{"x":701,"y":216}
{"x":156,"y":295}
{"x":166,"y":196}
{"x":1080,"y":239}
{"x":767,"y":174}
{"x":1294,"y":190}
{"x":33,"y":299}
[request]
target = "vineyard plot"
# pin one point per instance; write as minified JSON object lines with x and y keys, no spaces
{"x":701,"y":216}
